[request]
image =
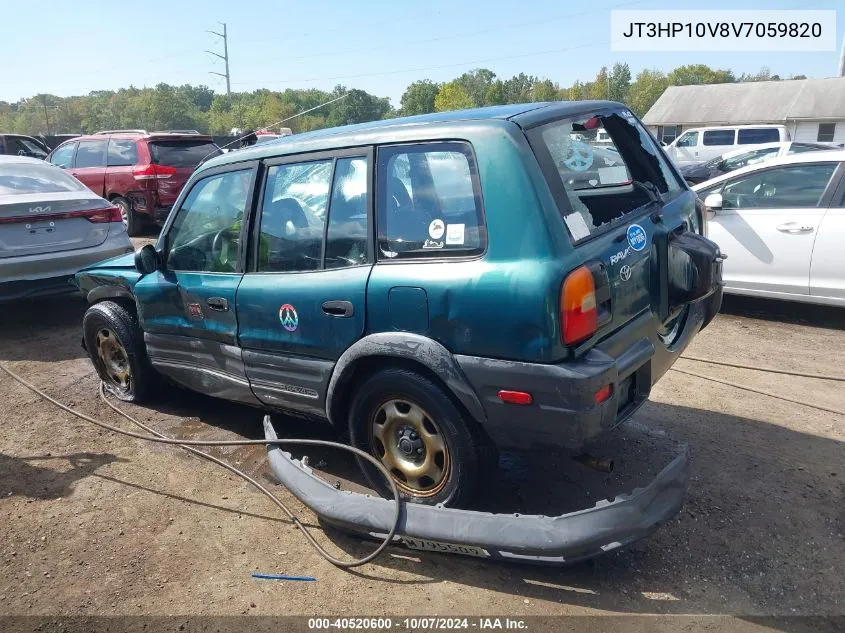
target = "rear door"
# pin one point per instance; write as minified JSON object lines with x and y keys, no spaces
{"x":44,"y":210}
{"x":768,"y":224}
{"x":176,"y":160}
{"x":187,"y":310}
{"x":89,"y":166}
{"x":618,"y":205}
{"x":828,"y":263}
{"x":302,"y":303}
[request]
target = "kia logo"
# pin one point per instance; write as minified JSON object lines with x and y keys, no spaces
{"x":39,"y":209}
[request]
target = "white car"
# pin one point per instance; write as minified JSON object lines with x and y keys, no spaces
{"x":782,"y":225}
{"x":704,"y":143}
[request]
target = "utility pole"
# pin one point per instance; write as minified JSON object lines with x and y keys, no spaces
{"x":46,"y":117}
{"x":225,"y":58}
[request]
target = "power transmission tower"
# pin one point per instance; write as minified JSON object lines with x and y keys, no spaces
{"x":225,"y":58}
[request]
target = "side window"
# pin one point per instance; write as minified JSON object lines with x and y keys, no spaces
{"x":90,"y":154}
{"x":793,"y":186}
{"x":718,"y":137}
{"x":346,"y":238}
{"x":205,"y":234}
{"x":429,"y":201}
{"x":800,"y":148}
{"x":690,"y":139}
{"x":122,"y":153}
{"x":826,"y":132}
{"x":63,"y":157}
{"x":293,"y":216}
{"x":755,"y":136}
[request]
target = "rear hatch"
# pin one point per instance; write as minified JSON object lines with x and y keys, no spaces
{"x":620,"y":202}
{"x":44,"y":210}
{"x":174,"y":159}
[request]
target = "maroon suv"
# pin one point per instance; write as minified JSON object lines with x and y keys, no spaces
{"x":139,"y":172}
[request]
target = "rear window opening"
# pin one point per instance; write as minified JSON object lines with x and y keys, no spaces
{"x":183,"y":153}
{"x":602,"y":167}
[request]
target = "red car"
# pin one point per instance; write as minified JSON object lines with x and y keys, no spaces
{"x":140,"y":172}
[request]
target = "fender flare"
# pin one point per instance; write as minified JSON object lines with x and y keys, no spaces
{"x":406,"y":346}
{"x":109,"y":291}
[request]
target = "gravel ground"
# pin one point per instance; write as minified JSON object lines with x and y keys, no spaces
{"x":93,"y":523}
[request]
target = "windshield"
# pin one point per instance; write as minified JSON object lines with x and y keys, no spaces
{"x":183,"y":153}
{"x":20,"y":178}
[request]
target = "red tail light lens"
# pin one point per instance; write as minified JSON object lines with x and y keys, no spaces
{"x":153,"y":172}
{"x":515,"y":397}
{"x":97,"y":216}
{"x":603,"y":394}
{"x":578,"y":312}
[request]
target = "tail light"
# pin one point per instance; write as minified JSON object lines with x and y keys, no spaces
{"x":578,"y":307}
{"x":95,"y":216}
{"x":153,"y":172}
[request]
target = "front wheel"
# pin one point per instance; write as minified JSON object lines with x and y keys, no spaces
{"x":411,"y":425}
{"x":115,"y":346}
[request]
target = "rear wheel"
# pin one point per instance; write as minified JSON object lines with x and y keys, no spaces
{"x":412,"y":426}
{"x":115,"y":346}
{"x":132,"y":221}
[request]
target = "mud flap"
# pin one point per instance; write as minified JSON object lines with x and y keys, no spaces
{"x":534,"y":539}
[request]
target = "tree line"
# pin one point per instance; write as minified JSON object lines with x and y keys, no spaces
{"x":167,"y":107}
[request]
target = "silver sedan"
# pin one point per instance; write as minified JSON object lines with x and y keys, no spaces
{"x":51,"y":225}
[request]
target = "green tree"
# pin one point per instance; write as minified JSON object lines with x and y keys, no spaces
{"x":476,"y":83}
{"x":357,"y":107}
{"x":495,"y":94}
{"x":692,"y":74}
{"x":418,"y":97}
{"x":452,"y":96}
{"x":519,"y":88}
{"x":599,"y":87}
{"x":546,"y":90}
{"x":619,"y":82}
{"x":646,"y":89}
{"x":764,"y":74}
{"x":577,"y":91}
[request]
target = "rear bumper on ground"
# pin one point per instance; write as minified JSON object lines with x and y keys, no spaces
{"x":510,"y":537}
{"x":50,"y":273}
{"x":564,"y":411}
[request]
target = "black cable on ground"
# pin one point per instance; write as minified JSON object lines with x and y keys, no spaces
{"x":755,"y":390}
{"x":769,"y":370}
{"x":188,"y":445}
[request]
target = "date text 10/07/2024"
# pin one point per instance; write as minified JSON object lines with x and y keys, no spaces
{"x":416,"y":623}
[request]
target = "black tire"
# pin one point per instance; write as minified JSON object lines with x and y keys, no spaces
{"x":107,"y":319}
{"x":465,"y":449}
{"x":132,"y":220}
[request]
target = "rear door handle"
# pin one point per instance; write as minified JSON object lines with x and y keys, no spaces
{"x":339,"y":308}
{"x":217,"y":303}
{"x":794,"y":227}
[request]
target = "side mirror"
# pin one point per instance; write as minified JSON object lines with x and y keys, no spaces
{"x":147,"y":260}
{"x":713,"y":202}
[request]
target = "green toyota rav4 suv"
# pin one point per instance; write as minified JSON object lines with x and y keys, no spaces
{"x":436,"y":287}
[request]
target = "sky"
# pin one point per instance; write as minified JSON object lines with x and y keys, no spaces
{"x":376,"y":45}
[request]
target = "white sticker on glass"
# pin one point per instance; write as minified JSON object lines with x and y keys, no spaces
{"x":613,"y":175}
{"x":436,"y":229}
{"x":455,"y":233}
{"x":577,"y":226}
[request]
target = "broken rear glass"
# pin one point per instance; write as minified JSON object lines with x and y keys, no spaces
{"x":609,"y":167}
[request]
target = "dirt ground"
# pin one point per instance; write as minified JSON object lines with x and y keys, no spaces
{"x":93,"y":523}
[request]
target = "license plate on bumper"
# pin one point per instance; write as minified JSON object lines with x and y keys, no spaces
{"x":449,"y":548}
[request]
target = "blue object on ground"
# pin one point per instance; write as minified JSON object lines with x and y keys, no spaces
{"x":283,"y":577}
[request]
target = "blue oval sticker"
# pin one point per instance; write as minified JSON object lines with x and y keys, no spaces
{"x":637,"y":237}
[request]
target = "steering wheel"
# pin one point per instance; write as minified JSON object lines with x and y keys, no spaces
{"x":221,"y":240}
{"x":579,"y":157}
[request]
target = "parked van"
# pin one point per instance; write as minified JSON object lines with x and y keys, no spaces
{"x":704,"y":143}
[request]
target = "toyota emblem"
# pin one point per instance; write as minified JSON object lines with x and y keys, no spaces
{"x":625,"y":273}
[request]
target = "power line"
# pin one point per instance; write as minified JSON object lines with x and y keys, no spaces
{"x":225,"y":58}
{"x":443,"y":38}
